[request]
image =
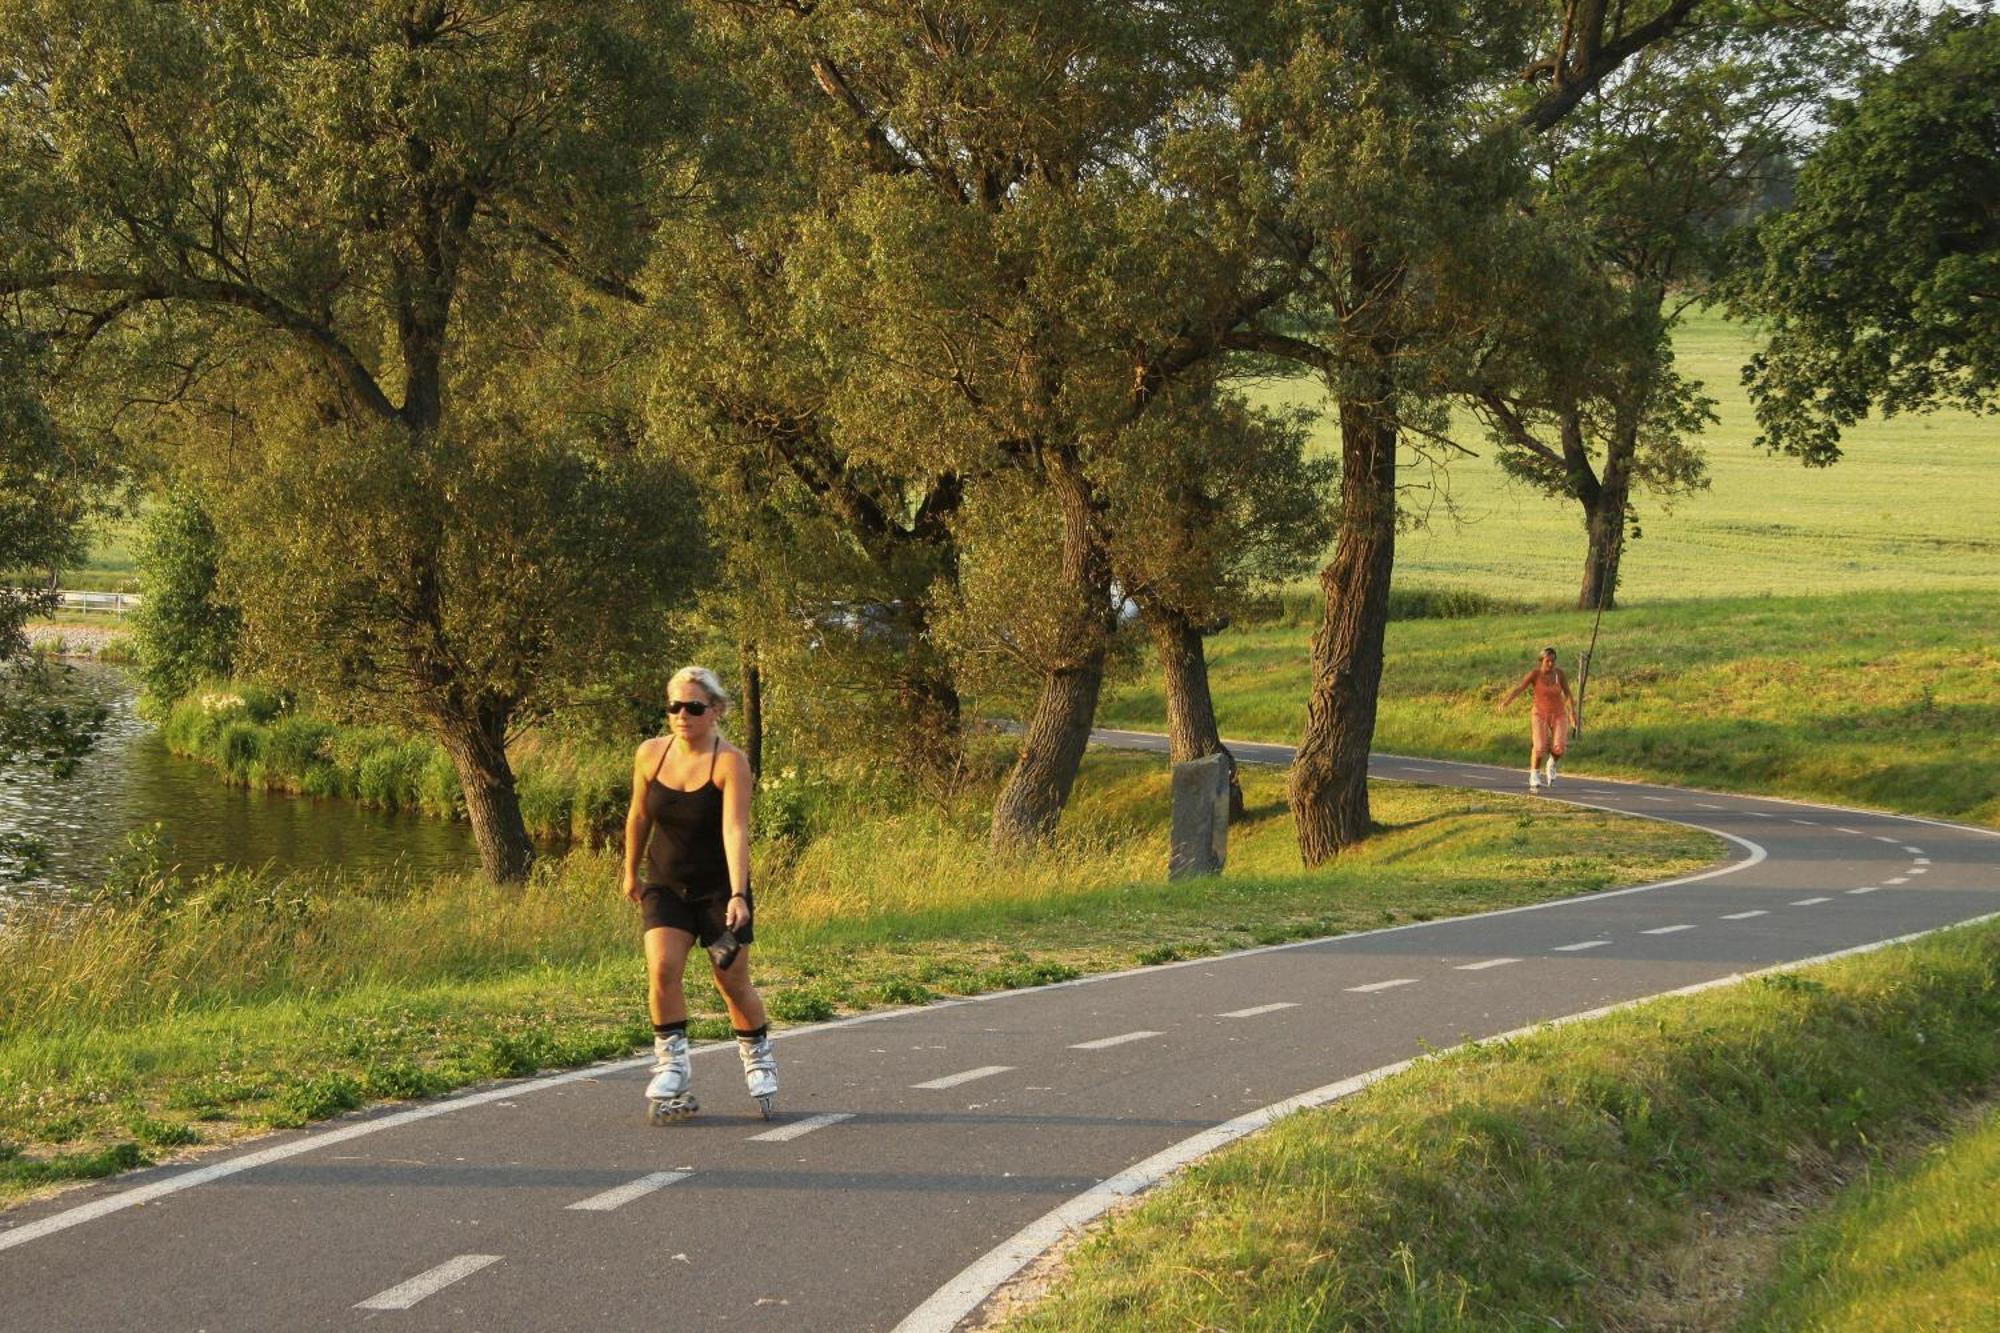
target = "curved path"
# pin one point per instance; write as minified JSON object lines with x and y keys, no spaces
{"x":921,"y":1155}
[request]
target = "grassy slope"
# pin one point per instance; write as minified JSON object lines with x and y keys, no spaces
{"x":213,"y":1007}
{"x":1917,"y":1248}
{"x":1828,"y":633}
{"x":1564,"y":1179}
{"x":1880,"y":699}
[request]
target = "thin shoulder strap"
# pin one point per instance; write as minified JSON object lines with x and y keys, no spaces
{"x":711,"y":757}
{"x":663,"y":758}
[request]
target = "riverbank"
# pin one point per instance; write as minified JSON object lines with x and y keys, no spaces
{"x":80,"y":638}
{"x":255,"y":737}
{"x":1614,"y":1174}
{"x":1886,"y":700}
{"x":196,"y":1010}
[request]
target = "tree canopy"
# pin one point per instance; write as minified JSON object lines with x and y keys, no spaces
{"x":1880,"y":286}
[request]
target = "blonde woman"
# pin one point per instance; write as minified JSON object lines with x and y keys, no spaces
{"x":687,"y":865}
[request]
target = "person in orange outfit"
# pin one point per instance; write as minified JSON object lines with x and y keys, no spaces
{"x":1555,"y":714}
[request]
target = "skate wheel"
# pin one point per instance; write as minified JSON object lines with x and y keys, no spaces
{"x":764,"y":1104}
{"x":659,"y":1112}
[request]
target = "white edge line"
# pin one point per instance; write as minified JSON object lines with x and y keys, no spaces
{"x":146,"y":1193}
{"x":980,"y":1279}
{"x":202,"y":1175}
{"x":428,"y":1283}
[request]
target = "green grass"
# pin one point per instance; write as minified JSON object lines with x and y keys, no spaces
{"x":234,"y":1001}
{"x":1588,"y":1176}
{"x":1889,"y":700}
{"x":1915,"y":1248}
{"x":1914,"y":504}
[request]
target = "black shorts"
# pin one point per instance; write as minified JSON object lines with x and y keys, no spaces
{"x":700,"y":917}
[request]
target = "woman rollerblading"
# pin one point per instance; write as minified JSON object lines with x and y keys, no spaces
{"x":1554,"y":714}
{"x":687,"y":866}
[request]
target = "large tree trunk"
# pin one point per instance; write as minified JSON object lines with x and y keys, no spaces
{"x":1328,"y":789}
{"x":1192,"y":732}
{"x":478,"y":749}
{"x":1031,"y":802}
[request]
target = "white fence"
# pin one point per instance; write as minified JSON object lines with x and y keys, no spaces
{"x":98,"y":603}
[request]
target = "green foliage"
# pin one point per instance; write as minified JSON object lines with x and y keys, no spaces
{"x":185,"y":633}
{"x":1875,"y":288}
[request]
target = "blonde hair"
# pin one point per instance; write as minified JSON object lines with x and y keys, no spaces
{"x":707,"y":680}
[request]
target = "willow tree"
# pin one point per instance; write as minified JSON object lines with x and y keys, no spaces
{"x":343,"y":193}
{"x":977,"y":231}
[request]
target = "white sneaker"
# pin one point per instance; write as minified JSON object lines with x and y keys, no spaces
{"x":1534,"y":780}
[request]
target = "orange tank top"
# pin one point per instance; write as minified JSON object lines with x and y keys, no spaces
{"x":1548,"y":693}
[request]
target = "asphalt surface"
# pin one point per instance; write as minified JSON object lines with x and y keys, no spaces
{"x":909,"y":1145}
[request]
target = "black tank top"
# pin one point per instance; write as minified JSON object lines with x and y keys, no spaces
{"x":684,"y":850}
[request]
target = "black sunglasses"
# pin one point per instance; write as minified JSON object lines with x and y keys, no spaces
{"x":692,"y":707}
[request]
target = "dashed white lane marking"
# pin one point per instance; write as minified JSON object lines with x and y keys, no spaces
{"x":1745,"y":916}
{"x":1704,"y":805}
{"x":1866,"y":888}
{"x":405,"y":1294}
{"x":1900,"y":879}
{"x":1883,"y":837}
{"x":1921,"y":861}
{"x":1759,"y":814}
{"x":953,"y":1080}
{"x":1920,"y":870}
{"x":1809,"y":823}
{"x":1382,"y":985}
{"x":1913,"y":851}
{"x":944,"y":1308}
{"x":1665,"y":930}
{"x":800,"y":1128}
{"x":1485,"y":963}
{"x":1102,"y":1042}
{"x":624,"y":1194}
{"x":1657,"y":800}
{"x":1842,"y":828}
{"x":1259,"y":1010}
{"x":1809,"y":902}
{"x":1587,"y":944}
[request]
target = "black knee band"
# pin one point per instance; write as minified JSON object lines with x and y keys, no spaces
{"x":751,"y":1034}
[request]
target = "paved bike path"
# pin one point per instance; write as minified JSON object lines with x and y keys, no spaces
{"x":910,"y":1145}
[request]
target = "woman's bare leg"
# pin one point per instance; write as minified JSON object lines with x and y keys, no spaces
{"x":746,"y":1006}
{"x":666,"y":960}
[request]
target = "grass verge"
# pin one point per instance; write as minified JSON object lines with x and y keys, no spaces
{"x":1918,"y":1247}
{"x":1557,"y":1180}
{"x":176,"y":1008}
{"x":1889,"y":700}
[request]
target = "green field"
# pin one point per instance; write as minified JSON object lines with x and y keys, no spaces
{"x":1914,"y":504}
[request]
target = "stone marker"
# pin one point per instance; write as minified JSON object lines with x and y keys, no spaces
{"x":1201,"y":817}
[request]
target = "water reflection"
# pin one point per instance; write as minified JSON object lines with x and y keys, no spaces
{"x":130,"y":781}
